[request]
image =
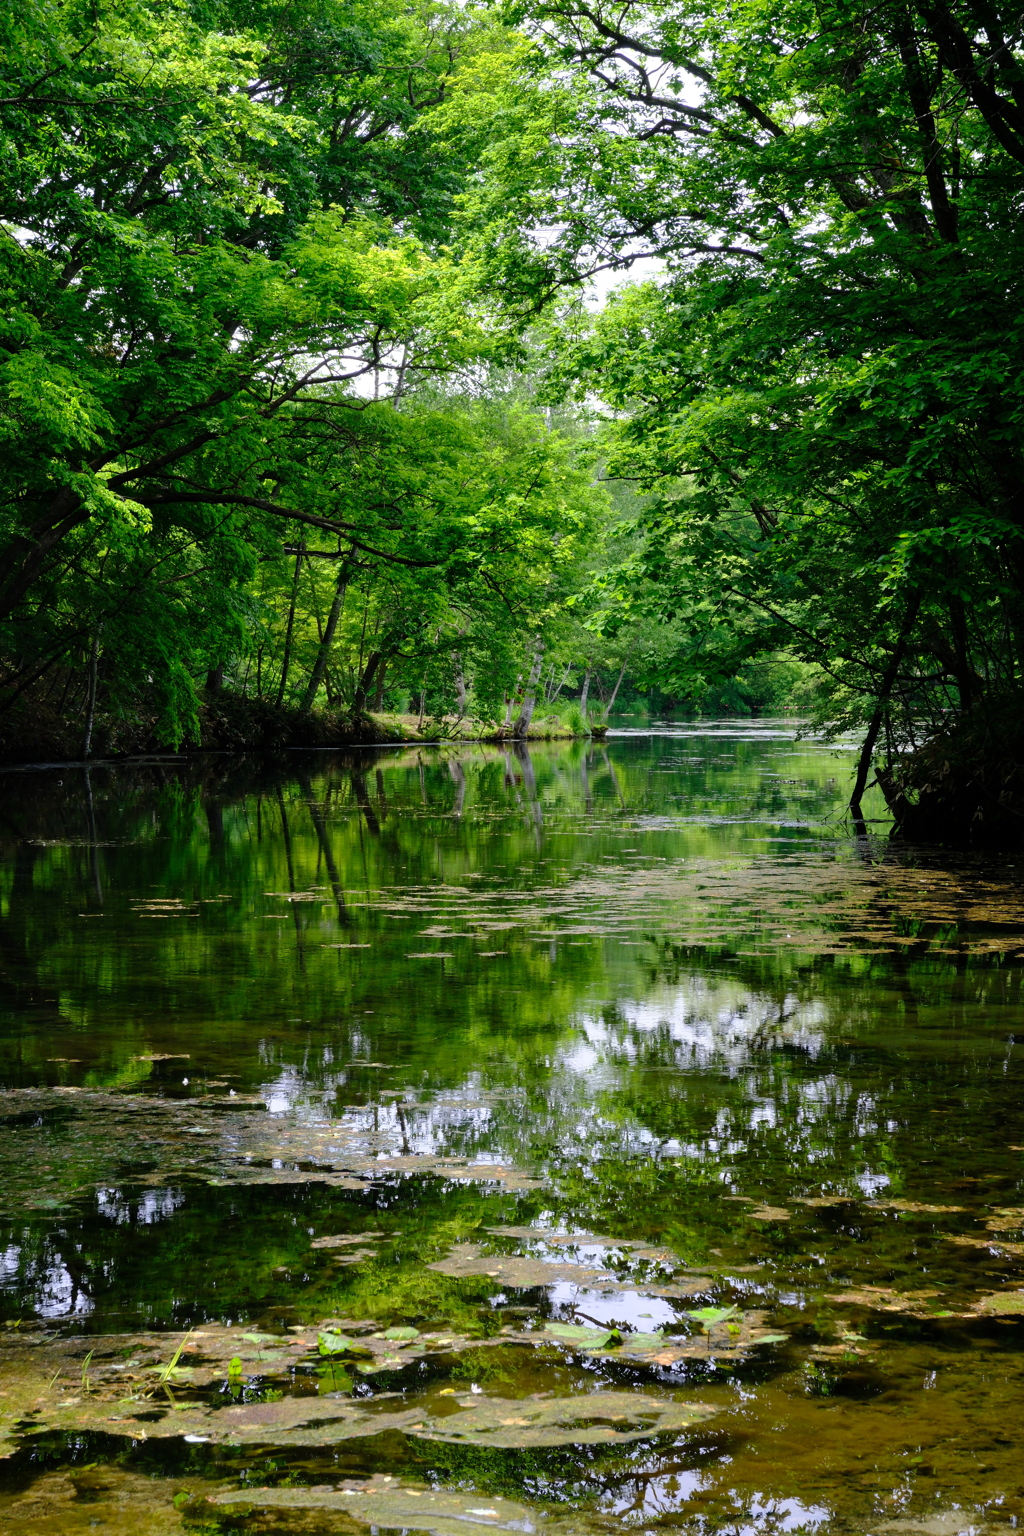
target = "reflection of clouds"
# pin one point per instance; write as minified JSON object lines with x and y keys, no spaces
{"x":647,"y":1491}
{"x":643,"y":1314}
{"x":713,"y":1022}
{"x":59,"y":1279}
{"x":56,"y":1292}
{"x":141,"y":1210}
{"x":703,"y":1024}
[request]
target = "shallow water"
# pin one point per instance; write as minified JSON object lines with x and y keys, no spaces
{"x":678,"y":1133}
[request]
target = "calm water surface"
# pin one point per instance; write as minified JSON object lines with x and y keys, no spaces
{"x":593,"y":1139}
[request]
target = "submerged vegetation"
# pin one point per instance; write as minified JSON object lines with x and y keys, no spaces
{"x":307,"y":401}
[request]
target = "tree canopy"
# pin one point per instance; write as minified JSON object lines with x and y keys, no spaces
{"x":821,"y":393}
{"x":267,"y":271}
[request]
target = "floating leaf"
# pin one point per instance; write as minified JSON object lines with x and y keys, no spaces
{"x":331,"y":1343}
{"x":519,"y":1273}
{"x":709,"y":1316}
{"x":350,"y":1241}
{"x":582,"y":1337}
{"x":822,"y":1202}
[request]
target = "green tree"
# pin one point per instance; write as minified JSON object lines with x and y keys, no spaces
{"x":822,"y":396}
{"x":219,"y":222}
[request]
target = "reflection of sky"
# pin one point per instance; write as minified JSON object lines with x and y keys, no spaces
{"x":643,"y":1314}
{"x":642,"y":1496}
{"x":141,"y":1210}
{"x":60,"y":1287}
{"x":701,"y":1025}
{"x":55,"y":1292}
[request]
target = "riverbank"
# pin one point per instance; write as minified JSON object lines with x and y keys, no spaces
{"x":966,"y":783}
{"x":227,"y":722}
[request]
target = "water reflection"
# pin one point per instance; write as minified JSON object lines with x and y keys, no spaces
{"x":649,"y":989}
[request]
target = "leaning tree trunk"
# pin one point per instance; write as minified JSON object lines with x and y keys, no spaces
{"x":553,"y":697}
{"x":522,"y":725}
{"x":875,"y":723}
{"x":323,"y":654}
{"x":615,"y":691}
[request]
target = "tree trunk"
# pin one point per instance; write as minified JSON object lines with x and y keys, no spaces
{"x":90,"y":716}
{"x":365,"y":682}
{"x":510,"y":704}
{"x":316,"y":677}
{"x":215,"y":678}
{"x":287,"y":657}
{"x":557,"y":691}
{"x":585,"y":691}
{"x":615,"y":691}
{"x":378,"y":693}
{"x":875,"y":723}
{"x":522,"y":724}
{"x":965,"y":673}
{"x":460,"y":688}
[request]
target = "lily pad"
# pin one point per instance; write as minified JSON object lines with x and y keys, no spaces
{"x":331,"y":1343}
{"x":709,"y":1316}
{"x":581,"y":1336}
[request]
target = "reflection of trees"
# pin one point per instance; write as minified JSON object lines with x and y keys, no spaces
{"x":458,"y":775}
{"x":232,"y":982}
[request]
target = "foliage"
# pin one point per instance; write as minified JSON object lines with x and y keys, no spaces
{"x":821,"y":394}
{"x":222,"y":283}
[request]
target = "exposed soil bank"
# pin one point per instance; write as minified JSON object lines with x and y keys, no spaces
{"x":231,"y":723}
{"x":966,"y":784}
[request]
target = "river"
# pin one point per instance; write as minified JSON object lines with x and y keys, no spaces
{"x":587,"y":1139}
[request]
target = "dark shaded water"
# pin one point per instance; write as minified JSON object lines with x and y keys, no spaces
{"x":743,"y":1093}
